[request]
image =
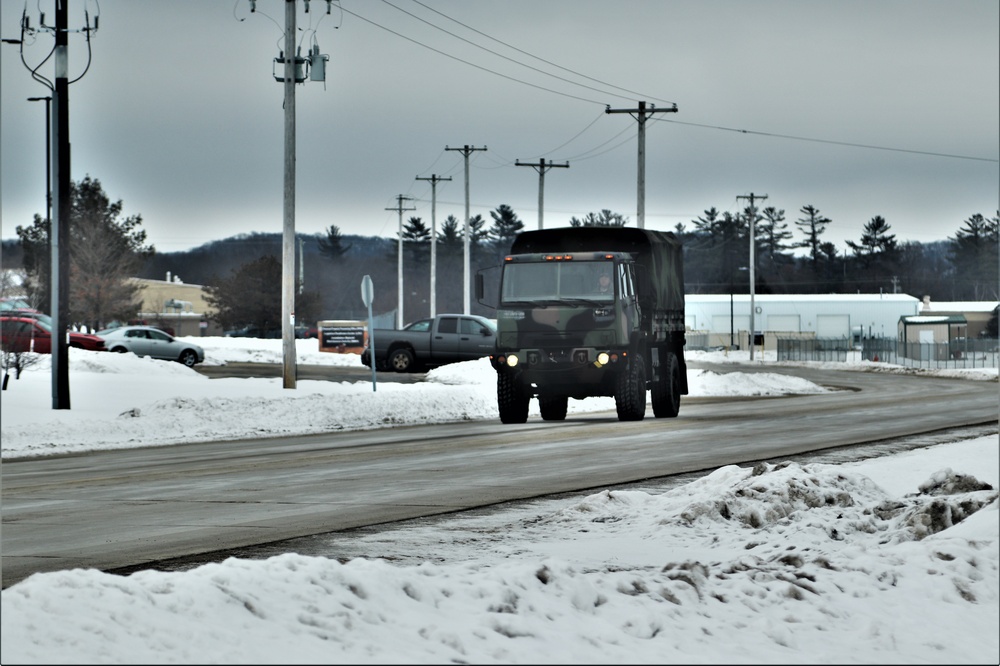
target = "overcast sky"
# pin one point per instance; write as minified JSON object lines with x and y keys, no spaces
{"x":858,"y":108}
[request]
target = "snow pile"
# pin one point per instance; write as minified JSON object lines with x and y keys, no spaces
{"x":782,"y":563}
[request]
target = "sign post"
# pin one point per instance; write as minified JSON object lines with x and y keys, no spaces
{"x":368,"y":295}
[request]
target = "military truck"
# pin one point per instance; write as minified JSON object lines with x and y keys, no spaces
{"x":560,"y":336}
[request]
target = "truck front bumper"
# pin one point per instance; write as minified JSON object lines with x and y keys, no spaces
{"x":580,"y":372}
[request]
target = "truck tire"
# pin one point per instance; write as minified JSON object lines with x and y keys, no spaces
{"x":630,"y":394}
{"x":512,"y":401}
{"x":401,"y":360}
{"x":553,"y":407}
{"x":666,"y":392}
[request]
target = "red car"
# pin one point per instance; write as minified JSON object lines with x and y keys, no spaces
{"x":23,"y":334}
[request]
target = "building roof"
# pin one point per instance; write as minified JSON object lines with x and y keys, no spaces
{"x":959,"y":306}
{"x":810,"y":298}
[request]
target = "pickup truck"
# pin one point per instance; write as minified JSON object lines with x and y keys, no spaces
{"x":429,"y":343}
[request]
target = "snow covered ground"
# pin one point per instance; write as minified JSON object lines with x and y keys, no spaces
{"x":890,"y":560}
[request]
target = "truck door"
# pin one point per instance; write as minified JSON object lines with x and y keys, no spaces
{"x":475,"y":340}
{"x":444,"y":341}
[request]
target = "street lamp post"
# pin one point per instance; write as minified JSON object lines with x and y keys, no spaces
{"x":48,"y":153}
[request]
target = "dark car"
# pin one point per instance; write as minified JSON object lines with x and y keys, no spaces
{"x":24,"y":334}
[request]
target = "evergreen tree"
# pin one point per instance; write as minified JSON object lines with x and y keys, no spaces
{"x":333,"y":246}
{"x":105,"y":251}
{"x":450,"y":235}
{"x":812,"y":225}
{"x":506,"y":225}
{"x":478,"y":236}
{"x":252,"y":296}
{"x":603,"y":219}
{"x":417,"y":240}
{"x":973,"y":251}
{"x":34,"y":241}
{"x":875,"y":238}
{"x":774,"y":234}
{"x":877,"y":254}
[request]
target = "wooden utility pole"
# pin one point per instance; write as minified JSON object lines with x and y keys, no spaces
{"x":288,"y":228}
{"x":434,"y":178}
{"x":641,"y":114}
{"x":400,"y":198}
{"x":753,"y":261}
{"x":466,"y":293}
{"x":541,"y":167}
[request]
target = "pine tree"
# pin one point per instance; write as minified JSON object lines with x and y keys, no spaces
{"x":973,"y":251}
{"x":603,"y":219}
{"x":333,"y":245}
{"x":812,"y":225}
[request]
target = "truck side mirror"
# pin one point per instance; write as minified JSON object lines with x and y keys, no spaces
{"x":480,"y":289}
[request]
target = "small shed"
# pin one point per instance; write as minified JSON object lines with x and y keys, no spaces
{"x":932,"y":329}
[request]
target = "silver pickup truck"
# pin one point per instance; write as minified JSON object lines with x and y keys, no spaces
{"x":429,"y":343}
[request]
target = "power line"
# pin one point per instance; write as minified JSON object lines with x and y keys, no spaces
{"x":837,"y":143}
{"x":516,"y":62}
{"x":470,"y":64}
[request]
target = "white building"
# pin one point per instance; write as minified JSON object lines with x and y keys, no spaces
{"x":726,"y":319}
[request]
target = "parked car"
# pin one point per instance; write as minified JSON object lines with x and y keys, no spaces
{"x":13,"y":303}
{"x":29,"y":314}
{"x":24,"y":334}
{"x":151,"y":341}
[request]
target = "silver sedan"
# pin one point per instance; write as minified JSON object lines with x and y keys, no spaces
{"x":152,"y":342}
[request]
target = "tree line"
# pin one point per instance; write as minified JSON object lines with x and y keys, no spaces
{"x":242,"y":274}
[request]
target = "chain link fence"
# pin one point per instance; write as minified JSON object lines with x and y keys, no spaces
{"x":959,"y":353}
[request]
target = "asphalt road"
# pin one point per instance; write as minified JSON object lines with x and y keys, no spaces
{"x":119,"y":509}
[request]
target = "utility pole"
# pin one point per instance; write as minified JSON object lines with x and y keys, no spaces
{"x":466,"y":295}
{"x":294,"y":70}
{"x":753,"y":261}
{"x":58,"y":203}
{"x":641,"y":114}
{"x":288,"y":228}
{"x":541,"y":168}
{"x":59,"y":233}
{"x":48,"y":189}
{"x":400,"y":198}
{"x":434,"y":178}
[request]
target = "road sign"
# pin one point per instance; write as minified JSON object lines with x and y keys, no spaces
{"x":367,"y":290}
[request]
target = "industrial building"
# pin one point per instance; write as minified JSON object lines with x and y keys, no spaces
{"x":724,"y":319}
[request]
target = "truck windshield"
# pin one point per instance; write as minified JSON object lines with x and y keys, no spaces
{"x":558,"y":281}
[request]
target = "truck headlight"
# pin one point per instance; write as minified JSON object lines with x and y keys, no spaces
{"x":512,"y":360}
{"x":602,"y":359}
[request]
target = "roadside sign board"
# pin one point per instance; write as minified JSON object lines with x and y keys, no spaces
{"x":342,"y":336}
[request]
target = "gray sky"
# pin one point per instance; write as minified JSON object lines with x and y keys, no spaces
{"x":179,"y":115}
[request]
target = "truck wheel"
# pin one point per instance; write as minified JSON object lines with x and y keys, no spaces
{"x":666,"y":392}
{"x":630,"y":394}
{"x":512,"y":401}
{"x":553,"y":407}
{"x":401,"y":360}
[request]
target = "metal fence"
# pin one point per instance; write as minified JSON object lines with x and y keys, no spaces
{"x":813,"y":349}
{"x":959,"y":353}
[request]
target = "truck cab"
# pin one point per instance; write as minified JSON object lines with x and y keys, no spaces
{"x":566,"y":317}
